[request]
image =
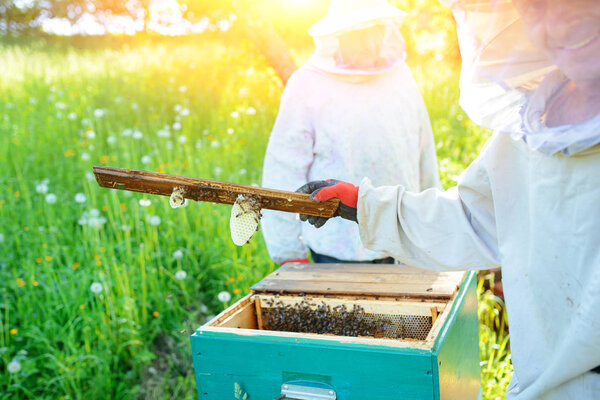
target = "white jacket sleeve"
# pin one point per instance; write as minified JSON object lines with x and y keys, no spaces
{"x":451,"y":230}
{"x":287,"y":161}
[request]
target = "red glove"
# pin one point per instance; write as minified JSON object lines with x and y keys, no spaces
{"x":299,"y":261}
{"x":329,"y":189}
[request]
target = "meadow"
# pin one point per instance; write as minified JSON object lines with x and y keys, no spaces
{"x":101,"y":289}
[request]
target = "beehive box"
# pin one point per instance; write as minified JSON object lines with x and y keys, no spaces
{"x":345,"y":331}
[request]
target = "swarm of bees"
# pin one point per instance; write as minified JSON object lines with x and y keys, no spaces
{"x":177,"y":200}
{"x":245,"y":216}
{"x":307,"y":317}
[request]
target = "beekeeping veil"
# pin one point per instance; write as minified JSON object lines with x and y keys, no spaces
{"x":374,"y":25}
{"x":506,"y":82}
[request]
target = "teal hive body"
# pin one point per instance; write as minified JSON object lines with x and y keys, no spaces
{"x":230,"y":349}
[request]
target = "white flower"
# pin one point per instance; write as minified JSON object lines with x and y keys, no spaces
{"x":94,"y":213}
{"x":177,"y":254}
{"x":96,"y":287}
{"x":145,"y":159}
{"x":80,"y":198}
{"x":72,"y":116}
{"x":250,"y":110}
{"x":234,"y":114}
{"x":177,"y":108}
{"x":154,"y":220}
{"x":230,"y":131}
{"x":180,"y":275}
{"x":224,"y":296}
{"x":145,"y":202}
{"x":177,"y":126}
{"x":182,"y":139}
{"x":98,"y":113}
{"x":111,"y":139}
{"x":90,"y":134}
{"x":85,"y":156}
{"x":127,"y":132}
{"x":164,"y":133}
{"x":14,"y":366}
{"x":184,"y":112}
{"x":41,"y":187}
{"x":50,"y":198}
{"x":182,"y":89}
{"x":137,"y":134}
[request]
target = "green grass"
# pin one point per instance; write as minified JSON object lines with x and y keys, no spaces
{"x":70,"y":104}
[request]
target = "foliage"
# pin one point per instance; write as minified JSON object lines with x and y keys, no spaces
{"x":95,"y":304}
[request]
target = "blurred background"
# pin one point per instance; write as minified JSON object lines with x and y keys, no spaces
{"x":101,"y":289}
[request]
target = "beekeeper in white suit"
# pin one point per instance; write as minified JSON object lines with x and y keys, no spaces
{"x":352,"y":110}
{"x":530,"y":202}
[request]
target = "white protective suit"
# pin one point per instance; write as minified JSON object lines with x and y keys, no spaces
{"x":343,"y":123}
{"x":528,"y":204}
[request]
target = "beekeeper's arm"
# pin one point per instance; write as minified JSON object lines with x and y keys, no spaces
{"x":451,"y":230}
{"x":287,"y":161}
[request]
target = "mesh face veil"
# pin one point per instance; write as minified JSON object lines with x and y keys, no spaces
{"x":373,"y":48}
{"x":506,"y":81}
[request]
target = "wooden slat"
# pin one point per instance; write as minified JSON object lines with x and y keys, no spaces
{"x":361,"y":280}
{"x":210,"y":190}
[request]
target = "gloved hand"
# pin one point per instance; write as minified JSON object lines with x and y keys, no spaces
{"x":300,"y":261}
{"x":329,"y":189}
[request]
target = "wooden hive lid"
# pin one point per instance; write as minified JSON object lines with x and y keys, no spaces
{"x":371,"y":280}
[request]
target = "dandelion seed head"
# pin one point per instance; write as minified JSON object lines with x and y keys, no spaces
{"x":127,"y":132}
{"x":198,"y":144}
{"x":99,"y":113}
{"x":50,"y":198}
{"x":182,"y":139}
{"x":72,"y":116}
{"x":14,"y":366}
{"x":177,"y":108}
{"x":41,"y":187}
{"x":80,"y":198}
{"x":176,"y":126}
{"x":224,"y":296}
{"x":111,"y":139}
{"x":230,"y":131}
{"x":182,"y":89}
{"x":234,"y":114}
{"x":154,"y":220}
{"x":145,"y":202}
{"x":137,"y":134}
{"x":164,"y":133}
{"x":177,"y":254}
{"x":180,"y":275}
{"x":96,"y":287}
{"x":90,"y":134}
{"x":214,"y":144}
{"x":184,"y":112}
{"x":145,"y":159}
